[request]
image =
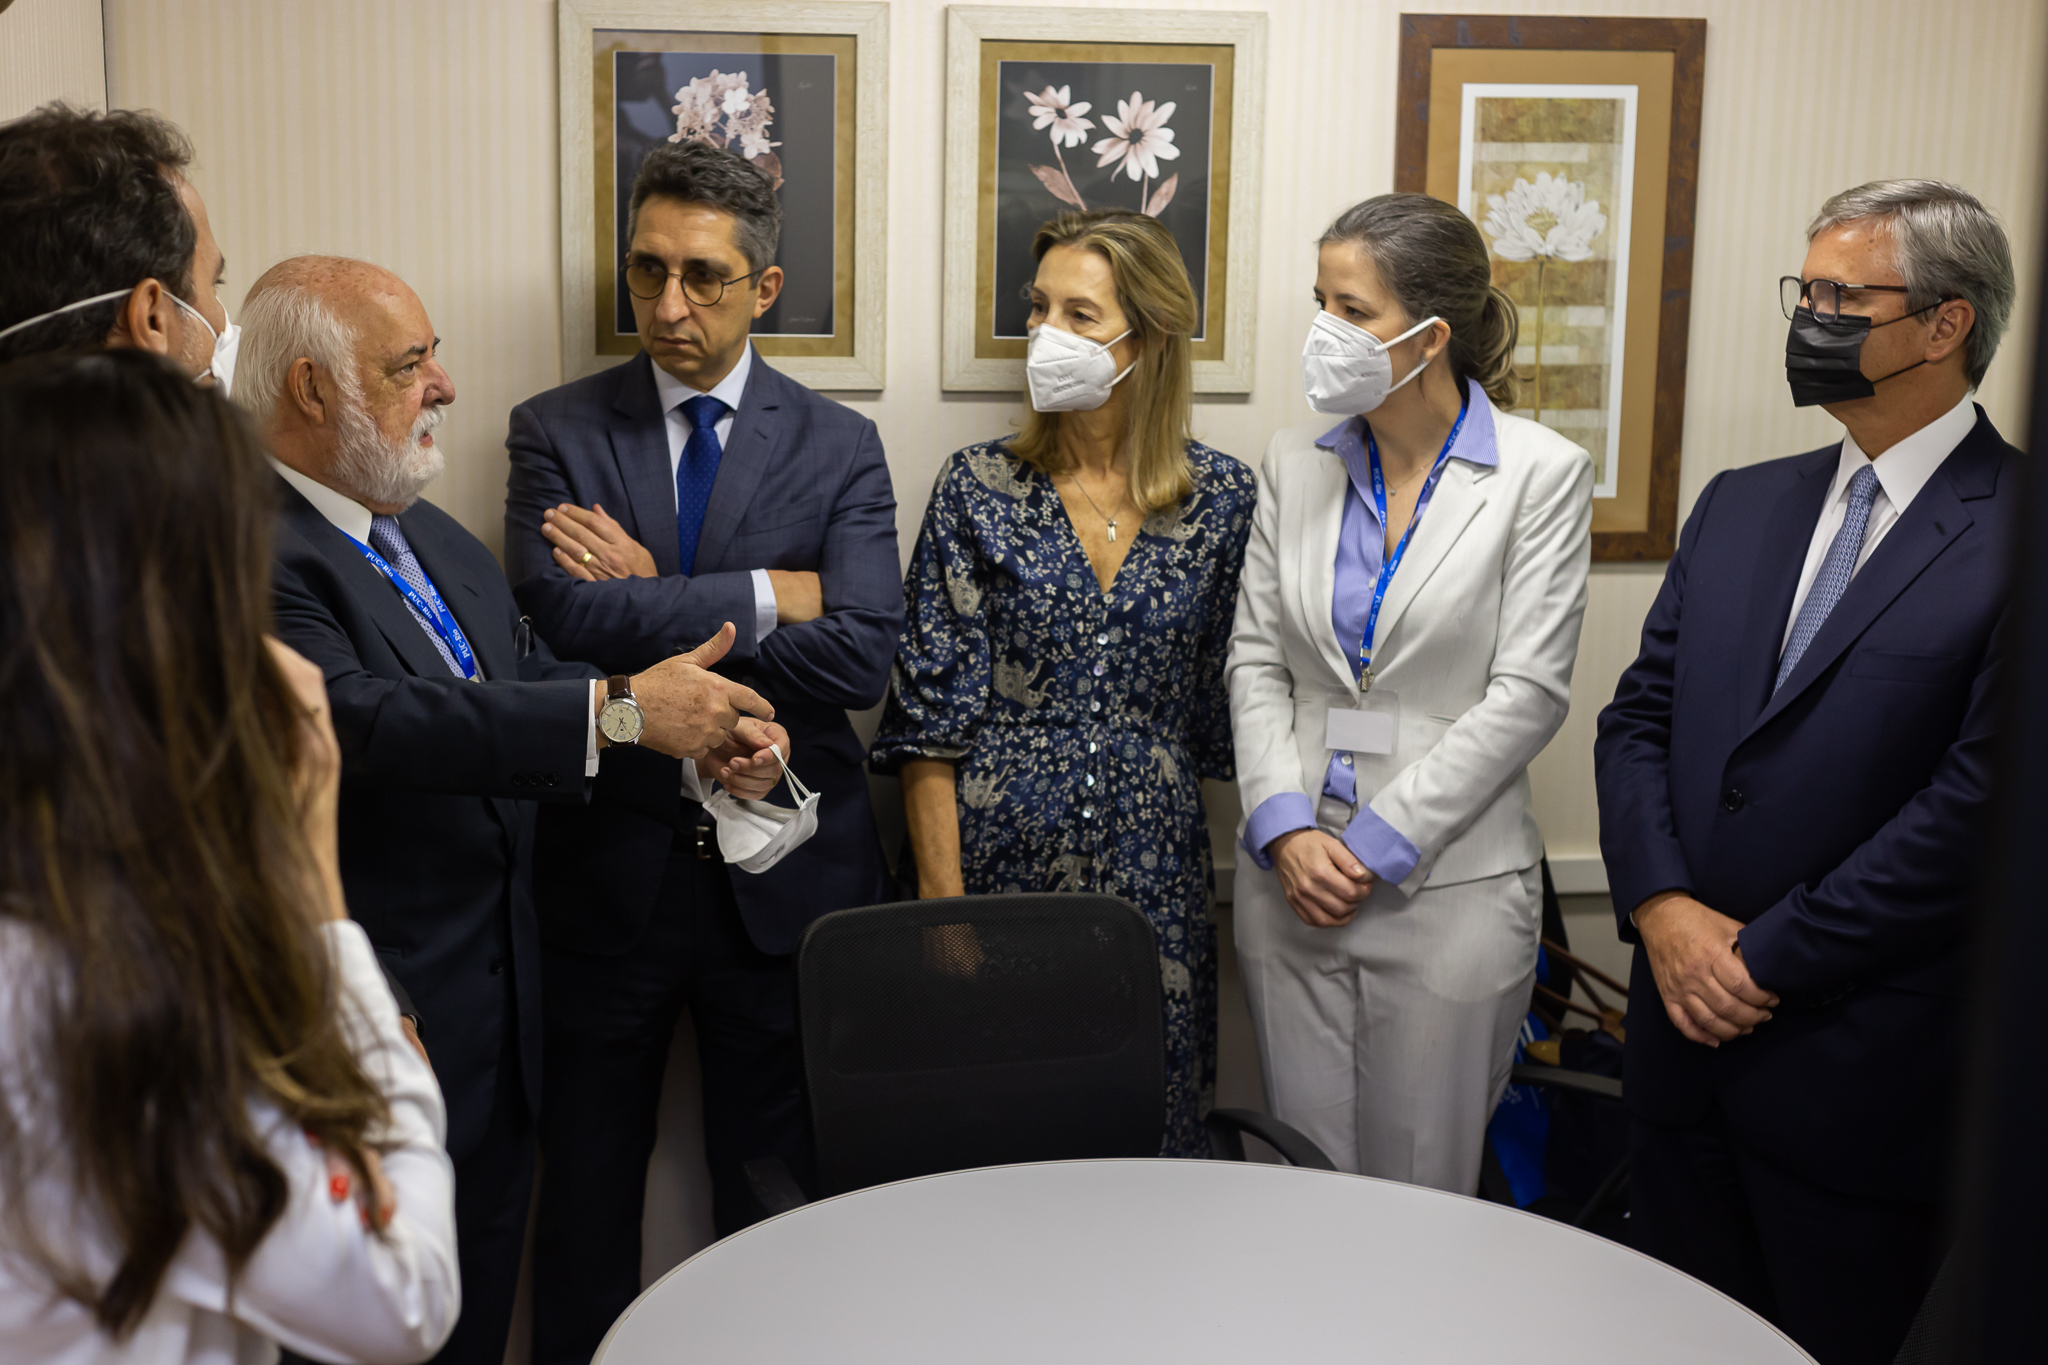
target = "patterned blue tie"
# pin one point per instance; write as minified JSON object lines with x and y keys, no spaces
{"x":695,"y":473}
{"x":387,"y":540}
{"x":1833,"y":578}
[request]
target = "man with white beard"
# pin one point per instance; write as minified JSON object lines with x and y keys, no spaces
{"x":452,"y":720}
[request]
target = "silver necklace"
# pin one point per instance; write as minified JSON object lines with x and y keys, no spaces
{"x":1098,"y":506}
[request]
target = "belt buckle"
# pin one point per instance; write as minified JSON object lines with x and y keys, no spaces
{"x":707,"y":844}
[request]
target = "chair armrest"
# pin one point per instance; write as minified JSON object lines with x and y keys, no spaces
{"x":773,"y":1185}
{"x":1528,"y":1073}
{"x":1227,"y":1128}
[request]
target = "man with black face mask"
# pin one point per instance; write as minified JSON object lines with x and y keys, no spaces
{"x":1793,"y":778}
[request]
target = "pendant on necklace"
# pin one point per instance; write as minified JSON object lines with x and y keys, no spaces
{"x":1112,"y":531}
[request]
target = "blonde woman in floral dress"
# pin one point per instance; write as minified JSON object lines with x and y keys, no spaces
{"x":1058,"y":694}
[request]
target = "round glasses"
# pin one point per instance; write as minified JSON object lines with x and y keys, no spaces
{"x":1824,"y":296}
{"x":646,"y":279}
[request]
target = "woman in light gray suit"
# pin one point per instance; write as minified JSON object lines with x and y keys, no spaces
{"x":1406,"y":626}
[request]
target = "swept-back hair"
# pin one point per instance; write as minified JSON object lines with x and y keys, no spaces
{"x":156,"y":905}
{"x":1158,"y":301}
{"x":88,"y":204}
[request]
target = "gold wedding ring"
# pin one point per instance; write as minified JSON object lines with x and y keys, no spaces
{"x":587,"y":557}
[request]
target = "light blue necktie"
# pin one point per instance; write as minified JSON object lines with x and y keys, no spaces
{"x":1833,"y":578}
{"x":695,"y":473}
{"x":388,"y":540}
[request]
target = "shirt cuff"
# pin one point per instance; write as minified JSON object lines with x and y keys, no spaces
{"x":1384,"y":850}
{"x":1276,"y":815}
{"x":764,"y":605}
{"x":598,"y":687}
{"x":693,"y":782}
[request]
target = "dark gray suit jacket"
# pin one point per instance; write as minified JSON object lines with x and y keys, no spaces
{"x":438,"y":780}
{"x":802,"y":485}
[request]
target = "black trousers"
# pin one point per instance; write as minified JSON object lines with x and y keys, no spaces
{"x":1840,"y":1274}
{"x":607,"y":1021}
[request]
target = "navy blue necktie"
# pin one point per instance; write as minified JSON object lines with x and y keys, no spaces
{"x":695,"y":473}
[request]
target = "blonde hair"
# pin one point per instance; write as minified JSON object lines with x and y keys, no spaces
{"x":1158,"y":302}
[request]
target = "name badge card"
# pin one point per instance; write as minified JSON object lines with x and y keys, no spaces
{"x":1368,"y":728}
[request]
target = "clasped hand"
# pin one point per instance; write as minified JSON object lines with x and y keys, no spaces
{"x":691,"y":712}
{"x":1324,"y":881}
{"x":1694,"y":956}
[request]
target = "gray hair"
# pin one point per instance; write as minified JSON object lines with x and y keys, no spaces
{"x":281,"y":322}
{"x":698,"y":173}
{"x":1946,"y":245}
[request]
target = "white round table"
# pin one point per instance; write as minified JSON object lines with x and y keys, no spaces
{"x":1189,"y":1262}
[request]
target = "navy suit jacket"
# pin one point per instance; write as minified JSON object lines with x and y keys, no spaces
{"x":438,"y":780}
{"x":802,"y":485}
{"x":1842,"y":819}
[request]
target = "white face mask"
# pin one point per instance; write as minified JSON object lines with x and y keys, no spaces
{"x":1068,"y":373}
{"x":753,"y":835}
{"x":1346,"y":369}
{"x":225,"y":344}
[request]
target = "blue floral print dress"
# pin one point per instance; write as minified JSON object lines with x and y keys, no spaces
{"x":1082,"y":722}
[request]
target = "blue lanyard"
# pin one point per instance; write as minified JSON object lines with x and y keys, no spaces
{"x":1393,"y":561}
{"x":431,"y":609}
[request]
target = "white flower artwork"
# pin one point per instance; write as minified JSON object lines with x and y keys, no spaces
{"x":720,"y":111}
{"x":1551,"y":220}
{"x":1139,"y":140}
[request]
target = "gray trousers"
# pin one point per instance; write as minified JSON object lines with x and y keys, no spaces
{"x":1388,"y":1041}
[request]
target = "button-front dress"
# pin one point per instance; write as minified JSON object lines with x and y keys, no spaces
{"x":1081,"y":722}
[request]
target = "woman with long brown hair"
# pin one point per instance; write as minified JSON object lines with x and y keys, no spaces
{"x":213,"y":1133}
{"x":1058,"y":692}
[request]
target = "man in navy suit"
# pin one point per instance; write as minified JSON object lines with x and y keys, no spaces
{"x":450,"y":727}
{"x":692,"y":484}
{"x":1793,"y":779}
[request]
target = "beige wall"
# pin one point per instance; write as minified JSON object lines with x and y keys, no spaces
{"x":49,"y":50}
{"x":422,"y":135}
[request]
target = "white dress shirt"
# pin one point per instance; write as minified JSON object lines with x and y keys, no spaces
{"x":352,"y":519}
{"x":729,"y":390}
{"x":319,"y":1282}
{"x":1901,"y":472}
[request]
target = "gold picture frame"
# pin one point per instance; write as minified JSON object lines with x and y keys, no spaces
{"x":1013,"y":160}
{"x":812,"y":81}
{"x":1574,"y":144}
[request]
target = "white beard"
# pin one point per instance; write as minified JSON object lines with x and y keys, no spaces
{"x":375,"y":470}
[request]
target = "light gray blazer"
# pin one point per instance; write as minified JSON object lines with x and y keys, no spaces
{"x":1477,"y":636}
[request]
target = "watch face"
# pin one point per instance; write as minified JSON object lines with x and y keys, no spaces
{"x":621,"y":721}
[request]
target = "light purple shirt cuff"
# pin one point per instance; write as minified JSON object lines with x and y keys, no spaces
{"x":764,"y":605}
{"x":1276,"y":815}
{"x":1381,"y":847}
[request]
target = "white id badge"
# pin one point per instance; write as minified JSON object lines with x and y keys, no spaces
{"x":1367,"y":728}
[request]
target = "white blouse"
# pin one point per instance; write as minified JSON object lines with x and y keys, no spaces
{"x":319,"y":1283}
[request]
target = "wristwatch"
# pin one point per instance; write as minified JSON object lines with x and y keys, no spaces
{"x":620,"y":718}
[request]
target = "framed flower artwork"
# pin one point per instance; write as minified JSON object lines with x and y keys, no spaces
{"x":798,"y":89}
{"x":1574,"y":145}
{"x":1153,"y":111}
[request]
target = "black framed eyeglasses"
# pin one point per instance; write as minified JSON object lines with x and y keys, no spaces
{"x":1825,"y":296}
{"x":648,"y":279}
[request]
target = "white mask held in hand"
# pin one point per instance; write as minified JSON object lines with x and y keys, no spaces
{"x":753,"y":835}
{"x":1069,"y":373}
{"x":1346,"y":369}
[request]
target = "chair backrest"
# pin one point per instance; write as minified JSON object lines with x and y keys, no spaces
{"x":942,"y":1035}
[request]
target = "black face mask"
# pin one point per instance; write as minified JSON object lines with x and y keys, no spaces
{"x":1824,"y":360}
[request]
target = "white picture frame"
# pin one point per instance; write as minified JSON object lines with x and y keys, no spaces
{"x":866,"y":24}
{"x":970,"y":184}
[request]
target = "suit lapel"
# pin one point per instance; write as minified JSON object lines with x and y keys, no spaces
{"x":1928,"y":527}
{"x":757,"y":432}
{"x":1460,"y":493}
{"x":1324,"y":481}
{"x":639,"y":435}
{"x":484,"y":628}
{"x":394,"y":619}
{"x":1780,"y":558}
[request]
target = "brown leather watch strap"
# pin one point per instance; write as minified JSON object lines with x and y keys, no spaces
{"x":619,"y":686}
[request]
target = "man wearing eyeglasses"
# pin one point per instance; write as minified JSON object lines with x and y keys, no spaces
{"x":691,"y":484}
{"x":1793,"y":779}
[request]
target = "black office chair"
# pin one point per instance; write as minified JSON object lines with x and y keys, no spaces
{"x":944,"y":1035}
